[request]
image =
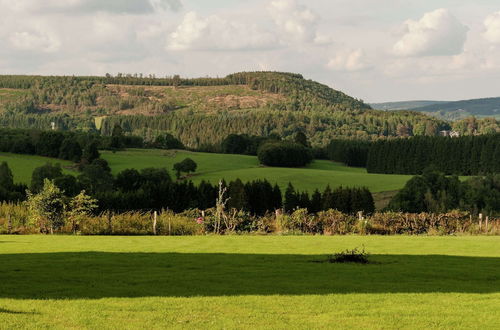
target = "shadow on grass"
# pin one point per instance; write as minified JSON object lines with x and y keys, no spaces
{"x":102,"y":274}
{"x":8,"y":311}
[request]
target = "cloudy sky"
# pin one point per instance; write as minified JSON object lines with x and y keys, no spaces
{"x":376,"y":50}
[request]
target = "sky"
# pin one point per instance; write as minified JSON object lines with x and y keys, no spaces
{"x":375,"y":50}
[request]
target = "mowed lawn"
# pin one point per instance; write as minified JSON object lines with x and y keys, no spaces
{"x":214,"y":167}
{"x":249,"y":282}
{"x":22,"y":166}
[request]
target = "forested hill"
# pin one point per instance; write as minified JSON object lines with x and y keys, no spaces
{"x":404,"y":105}
{"x":485,"y":107}
{"x":148,"y":95}
{"x":203,"y":111}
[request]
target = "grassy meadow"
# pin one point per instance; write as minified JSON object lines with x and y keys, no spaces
{"x":22,"y":166}
{"x":213,"y":167}
{"x":267,"y":282}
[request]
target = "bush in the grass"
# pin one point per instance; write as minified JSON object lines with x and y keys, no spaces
{"x":356,"y":255}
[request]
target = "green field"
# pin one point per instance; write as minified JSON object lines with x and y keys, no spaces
{"x":22,"y":166}
{"x":213,"y":167}
{"x":267,"y":282}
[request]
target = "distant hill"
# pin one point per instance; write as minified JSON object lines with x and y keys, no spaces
{"x":486,"y":107}
{"x":404,"y":105}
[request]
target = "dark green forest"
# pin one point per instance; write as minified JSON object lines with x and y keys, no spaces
{"x":436,"y":193}
{"x":468,"y":155}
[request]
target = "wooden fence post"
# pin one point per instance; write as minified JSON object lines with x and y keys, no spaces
{"x":360,"y":215}
{"x":486,"y":223}
{"x":9,"y":224}
{"x":155,"y":214}
{"x":480,"y":221}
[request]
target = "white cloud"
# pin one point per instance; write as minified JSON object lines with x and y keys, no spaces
{"x":292,"y":24}
{"x":349,"y":60}
{"x":492,"y":25}
{"x":91,"y":6}
{"x":296,"y":21}
{"x":34,"y":41}
{"x":439,"y":69}
{"x":216,"y":33}
{"x":437,"y":33}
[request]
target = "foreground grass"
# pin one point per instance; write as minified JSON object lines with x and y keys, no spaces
{"x":214,"y":167}
{"x":248,"y":282}
{"x":22,"y":166}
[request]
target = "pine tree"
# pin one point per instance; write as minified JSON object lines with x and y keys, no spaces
{"x":328,"y":199}
{"x":291,"y":199}
{"x":6,"y":177}
{"x":237,"y":195}
{"x":316,"y":202}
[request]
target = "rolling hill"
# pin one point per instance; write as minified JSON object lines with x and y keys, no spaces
{"x":199,"y":111}
{"x":485,"y":107}
{"x":214,"y":167}
{"x":404,"y":105}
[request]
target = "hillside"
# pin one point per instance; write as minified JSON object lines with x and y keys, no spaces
{"x":485,"y":107}
{"x":150,"y":96}
{"x":214,"y":167}
{"x":403,"y":105}
{"x":201,"y":111}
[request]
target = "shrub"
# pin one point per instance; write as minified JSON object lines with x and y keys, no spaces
{"x":286,"y":154}
{"x":187,"y":166}
{"x":335,"y":222}
{"x":350,"y":256}
{"x":46,"y":209}
{"x":178,"y":225}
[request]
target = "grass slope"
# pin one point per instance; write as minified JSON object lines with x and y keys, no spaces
{"x":213,"y":167}
{"x":22,"y":166}
{"x":248,"y":282}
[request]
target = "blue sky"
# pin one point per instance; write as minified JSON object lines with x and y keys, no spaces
{"x":376,"y":50}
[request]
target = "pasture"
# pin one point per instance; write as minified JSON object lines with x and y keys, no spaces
{"x":22,"y":166}
{"x":214,"y":167}
{"x":248,"y":282}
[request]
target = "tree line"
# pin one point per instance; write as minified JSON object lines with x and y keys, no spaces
{"x":350,"y":152}
{"x":467,"y":155}
{"x":436,"y":193}
{"x":154,"y":189}
{"x":201,"y":130}
{"x":78,"y":147}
